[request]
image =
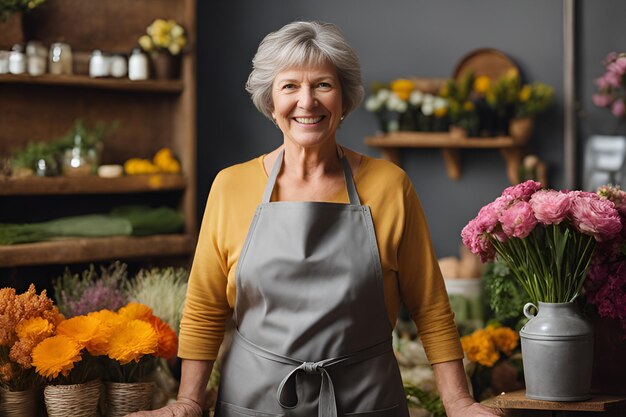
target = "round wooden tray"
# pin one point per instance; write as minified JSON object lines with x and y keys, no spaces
{"x":484,"y":61}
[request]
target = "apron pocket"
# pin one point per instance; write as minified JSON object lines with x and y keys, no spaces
{"x":387,"y":412}
{"x":232,"y":410}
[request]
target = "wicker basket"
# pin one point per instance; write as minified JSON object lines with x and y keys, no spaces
{"x":79,"y":400}
{"x":125,"y":398}
{"x":19,"y":403}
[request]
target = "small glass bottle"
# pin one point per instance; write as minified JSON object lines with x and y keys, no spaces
{"x":138,"y":65}
{"x":17,"y":60}
{"x":36,"y":56}
{"x":119,"y":66}
{"x":60,"y":59}
{"x":98,"y":64}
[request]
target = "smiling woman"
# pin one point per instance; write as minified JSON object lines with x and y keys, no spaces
{"x":313,"y":246}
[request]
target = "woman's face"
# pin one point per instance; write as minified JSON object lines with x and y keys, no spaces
{"x":307,"y":103}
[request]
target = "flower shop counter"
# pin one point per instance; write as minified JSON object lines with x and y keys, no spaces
{"x":516,"y":404}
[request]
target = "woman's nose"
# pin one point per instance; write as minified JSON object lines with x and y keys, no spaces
{"x":306,"y":99}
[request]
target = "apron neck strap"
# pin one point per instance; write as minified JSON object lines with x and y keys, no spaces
{"x":347,"y":173}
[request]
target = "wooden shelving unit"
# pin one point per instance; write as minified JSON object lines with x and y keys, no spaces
{"x":91,"y":185}
{"x":95,"y":249}
{"x":390,"y":146}
{"x":151,"y":114}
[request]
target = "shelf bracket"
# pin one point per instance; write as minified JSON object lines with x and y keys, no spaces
{"x":513,"y":158}
{"x":452,"y":159}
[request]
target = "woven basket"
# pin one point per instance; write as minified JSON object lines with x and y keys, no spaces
{"x":80,"y":400}
{"x":19,"y":403}
{"x":125,"y":398}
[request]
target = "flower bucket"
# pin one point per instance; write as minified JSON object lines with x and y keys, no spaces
{"x":165,"y":66}
{"x":557,"y":352}
{"x":19,"y":403}
{"x":78,"y":400}
{"x":126,"y":398}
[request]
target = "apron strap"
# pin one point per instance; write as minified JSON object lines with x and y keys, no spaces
{"x":347,"y":173}
{"x":287,"y":394}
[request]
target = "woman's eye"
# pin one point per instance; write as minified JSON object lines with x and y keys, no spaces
{"x":324,"y":85}
{"x":289,"y":86}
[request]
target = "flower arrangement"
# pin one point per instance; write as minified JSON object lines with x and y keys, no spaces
{"x":136,"y":339}
{"x":10,"y":7}
{"x":81,"y":294}
{"x":25,"y":320}
{"x":492,"y":355}
{"x":463,"y":113}
{"x":611,"y":93}
{"x":546,"y":237}
{"x":533,"y":99}
{"x":163,"y":36}
{"x":606,"y":283}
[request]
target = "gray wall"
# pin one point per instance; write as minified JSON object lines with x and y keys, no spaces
{"x":394,"y":38}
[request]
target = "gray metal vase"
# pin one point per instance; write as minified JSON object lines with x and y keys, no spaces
{"x":557,"y":351}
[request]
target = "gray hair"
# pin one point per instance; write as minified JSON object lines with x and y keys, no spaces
{"x":304,"y":43}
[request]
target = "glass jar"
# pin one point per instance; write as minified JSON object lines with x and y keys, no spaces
{"x":98,"y":64}
{"x":60,"y":59}
{"x":36,"y":56}
{"x":4,"y":62}
{"x":77,"y":161}
{"x":138,"y":65}
{"x":17,"y":60}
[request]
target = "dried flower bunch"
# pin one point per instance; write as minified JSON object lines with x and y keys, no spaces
{"x":163,"y":36}
{"x":25,"y":320}
{"x":546,"y":237}
{"x":486,"y":346}
{"x":612,"y":85}
{"x":10,"y":7}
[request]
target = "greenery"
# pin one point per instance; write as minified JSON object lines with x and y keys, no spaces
{"x":426,"y":400}
{"x":532,"y":99}
{"x":9,"y":7}
{"x":505,"y":296}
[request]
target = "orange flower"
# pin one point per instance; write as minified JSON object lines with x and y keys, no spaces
{"x":480,"y":348}
{"x":56,"y":355}
{"x":167,"y":339}
{"x":86,"y":331}
{"x":504,"y":338}
{"x":135,"y":311}
{"x":131,"y":341}
{"x":35,"y":328}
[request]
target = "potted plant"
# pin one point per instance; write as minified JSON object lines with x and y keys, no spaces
{"x":547,"y":238}
{"x":531,"y":100}
{"x":164,"y":42}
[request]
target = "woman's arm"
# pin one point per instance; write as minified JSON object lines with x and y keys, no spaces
{"x":191,"y":393}
{"x":452,"y":387}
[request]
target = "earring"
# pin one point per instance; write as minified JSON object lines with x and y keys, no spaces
{"x":342,"y":117}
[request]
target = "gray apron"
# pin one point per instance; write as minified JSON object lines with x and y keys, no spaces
{"x":313,"y":337}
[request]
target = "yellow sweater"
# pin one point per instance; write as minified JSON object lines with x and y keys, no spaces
{"x":410,"y":270}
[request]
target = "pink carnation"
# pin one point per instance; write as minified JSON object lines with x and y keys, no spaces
{"x":595,"y":216}
{"x":602,"y":100}
{"x":550,"y":207}
{"x":521,"y":191}
{"x":518,"y":220}
{"x":618,"y":108}
{"x":476,"y":238}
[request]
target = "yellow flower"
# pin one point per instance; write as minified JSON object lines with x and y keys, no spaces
{"x":482,"y":84}
{"x":135,"y":310}
{"x":480,"y":348}
{"x":512,"y":73}
{"x":504,"y":338}
{"x":468,"y":106}
{"x":441,"y":112}
{"x":56,"y":355}
{"x":36,"y":328}
{"x":87,"y":331}
{"x":402,"y":88}
{"x":146,"y":43}
{"x":131,"y":341}
{"x":524,"y":93}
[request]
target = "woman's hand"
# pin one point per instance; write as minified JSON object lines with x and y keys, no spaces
{"x":467,"y":407}
{"x":181,"y":408}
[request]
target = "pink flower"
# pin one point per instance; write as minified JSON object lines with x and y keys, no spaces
{"x":550,"y":207}
{"x":612,"y":79}
{"x":518,"y":220}
{"x":521,"y":191}
{"x":618,"y":108}
{"x":476,"y":238}
{"x":595,"y":216}
{"x":602,"y":100}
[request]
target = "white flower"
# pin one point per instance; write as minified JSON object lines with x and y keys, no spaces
{"x":383,"y":94}
{"x":402,"y":106}
{"x":428,"y":108}
{"x":429,"y":98}
{"x":373,"y":104}
{"x":174,"y":49}
{"x":440,"y":103}
{"x":394,"y":103}
{"x":176,"y":31}
{"x":416,"y":98}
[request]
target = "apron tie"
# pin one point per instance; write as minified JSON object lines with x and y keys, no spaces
{"x":287,"y":394}
{"x":327,"y":404}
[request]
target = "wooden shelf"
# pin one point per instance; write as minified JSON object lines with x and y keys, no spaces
{"x":91,"y":184}
{"x":83,"y":81}
{"x":94,"y":249}
{"x":518,"y":400}
{"x":390,"y":145}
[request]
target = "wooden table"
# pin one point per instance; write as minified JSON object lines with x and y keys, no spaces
{"x":516,"y":404}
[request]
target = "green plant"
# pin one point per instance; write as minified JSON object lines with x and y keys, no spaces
{"x":90,"y":137}
{"x":9,"y":7}
{"x":426,"y":400}
{"x":532,"y":99}
{"x":33,"y":152}
{"x":505,"y":295}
